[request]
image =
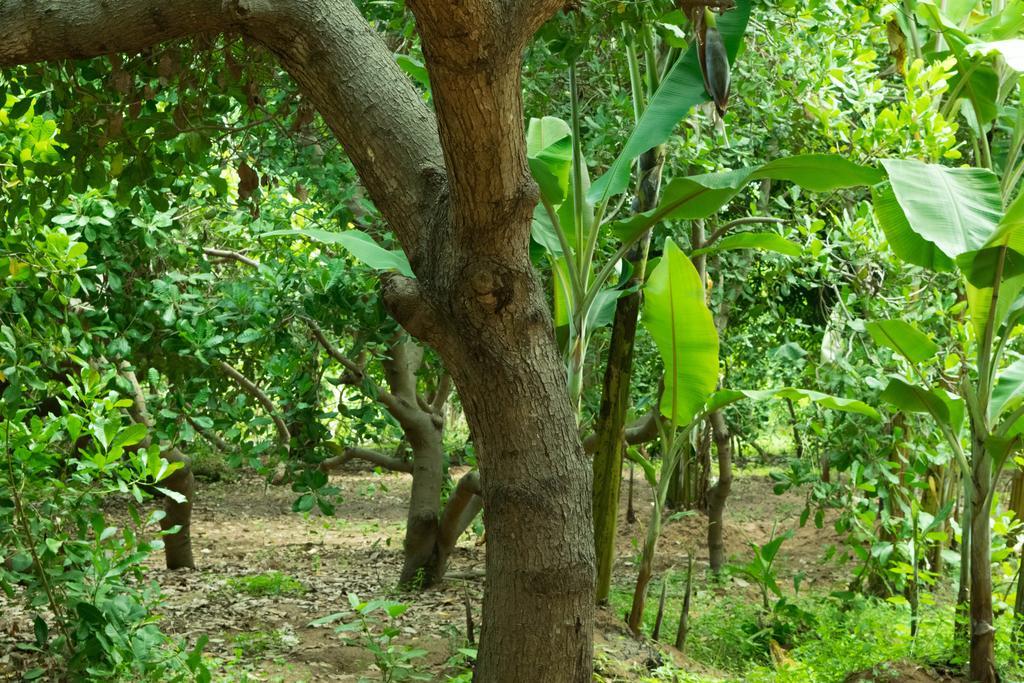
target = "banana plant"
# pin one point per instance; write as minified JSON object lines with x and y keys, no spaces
{"x":677,"y":317}
{"x":583,"y":295}
{"x":569,"y":220}
{"x":946,"y":219}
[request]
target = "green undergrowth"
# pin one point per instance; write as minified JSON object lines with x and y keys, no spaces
{"x":270,"y":583}
{"x":832,"y":638}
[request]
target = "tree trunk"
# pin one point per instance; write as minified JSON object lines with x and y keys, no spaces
{"x":538,"y":600}
{"x":719,"y":493}
{"x":611,"y":419}
{"x":798,"y":442}
{"x":178,"y":546}
{"x":982,"y":660}
{"x":1017,"y":495}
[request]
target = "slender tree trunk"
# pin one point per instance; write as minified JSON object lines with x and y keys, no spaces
{"x":178,"y":546}
{"x":982,"y":660}
{"x":423,"y":522}
{"x":962,"y":620}
{"x":798,"y":442}
{"x":611,"y":420}
{"x":719,"y":493}
{"x":1017,"y":494}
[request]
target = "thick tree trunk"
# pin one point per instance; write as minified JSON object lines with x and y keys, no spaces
{"x":719,"y":493}
{"x":538,"y":601}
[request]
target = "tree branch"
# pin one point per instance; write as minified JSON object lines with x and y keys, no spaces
{"x":441,"y":393}
{"x":284,"y":437}
{"x":407,"y":305}
{"x":231,"y":255}
{"x":344,"y":454}
{"x":222,"y":445}
{"x":641,"y":430}
{"x":334,"y":352}
{"x":369,"y":103}
{"x":462,"y":507}
{"x":32,"y":31}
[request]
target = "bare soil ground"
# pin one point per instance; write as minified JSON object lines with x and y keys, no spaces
{"x":244,"y":529}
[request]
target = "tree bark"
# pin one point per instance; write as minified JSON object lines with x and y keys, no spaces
{"x":536,"y":494}
{"x":178,"y":545}
{"x":719,"y":493}
{"x":611,"y":419}
{"x":982,"y":659}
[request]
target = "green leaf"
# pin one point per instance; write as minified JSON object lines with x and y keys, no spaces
{"x":700,"y":196}
{"x":543,"y":231}
{"x":329,"y":619}
{"x":904,"y":242}
{"x":1008,"y":390}
{"x":549,"y":153}
{"x":415,"y":69}
{"x":650,"y":472}
{"x":129,"y":436}
{"x":358,"y":243}
{"x":173,"y":495}
{"x":903,"y":338}
{"x":41,"y":630}
{"x":19,"y":108}
{"x":682,"y":89}
{"x":979,"y":303}
{"x":681,"y":325}
{"x":690,"y":197}
{"x":249,"y":335}
{"x":955,"y":209}
{"x":820,"y":172}
{"x":979,"y":266}
{"x":911,"y":398}
{"x":1011,"y":50}
{"x":725,"y":397}
{"x":847,"y":405}
{"x":763,"y":241}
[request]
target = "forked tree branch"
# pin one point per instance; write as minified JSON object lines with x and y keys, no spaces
{"x":641,"y":430}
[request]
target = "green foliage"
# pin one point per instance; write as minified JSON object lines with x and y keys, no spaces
{"x":79,"y":575}
{"x":376,"y":630}
{"x":271,"y":583}
{"x":677,"y":318}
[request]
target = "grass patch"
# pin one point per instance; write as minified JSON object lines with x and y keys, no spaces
{"x":728,"y":634}
{"x":271,"y":583}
